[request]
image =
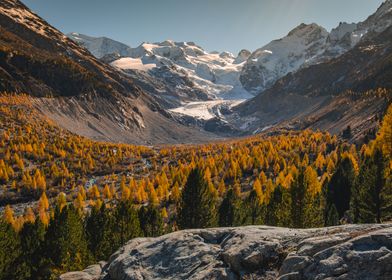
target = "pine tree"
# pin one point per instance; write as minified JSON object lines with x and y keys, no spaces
{"x":151,"y":221}
{"x":332,"y":216}
{"x":65,"y":242}
{"x":127,"y":222}
{"x":100,"y":226}
{"x":375,"y":192}
{"x":31,"y":239}
{"x":258,"y":189}
{"x":9,"y":250}
{"x":298,"y":205}
{"x":8,"y":215}
{"x":347,"y":133}
{"x":43,"y":206}
{"x":230,"y":210}
{"x":340,"y":186}
{"x":278,"y":209}
{"x":313,"y":210}
{"x":197,"y":206}
{"x":61,"y":200}
{"x":384,"y":137}
{"x":107,"y":192}
{"x":175,"y":193}
{"x":29,"y":215}
{"x":255,"y":210}
{"x":313,"y":201}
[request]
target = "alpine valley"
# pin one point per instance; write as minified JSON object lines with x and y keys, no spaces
{"x":167,"y":161}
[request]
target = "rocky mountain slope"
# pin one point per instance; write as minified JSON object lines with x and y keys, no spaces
{"x":79,"y":92}
{"x":254,"y":252}
{"x":308,"y":45}
{"x":100,"y":46}
{"x":276,"y":59}
{"x":352,"y":89}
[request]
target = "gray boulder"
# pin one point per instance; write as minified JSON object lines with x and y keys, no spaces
{"x":254,"y":252}
{"x":92,"y":272}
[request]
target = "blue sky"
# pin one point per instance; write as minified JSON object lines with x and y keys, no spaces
{"x":213,"y":24}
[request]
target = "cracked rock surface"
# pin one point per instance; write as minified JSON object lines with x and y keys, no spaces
{"x":253,"y":252}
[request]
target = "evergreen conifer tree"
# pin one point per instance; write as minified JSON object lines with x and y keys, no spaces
{"x":100,"y":225}
{"x":197,"y":205}
{"x":65,"y":242}
{"x":151,"y":221}
{"x":313,"y":211}
{"x":127,"y":222}
{"x":230,"y":210}
{"x":340,"y":186}
{"x":31,"y":239}
{"x":9,"y":250}
{"x":375,"y":191}
{"x":255,"y":212}
{"x":332,"y":216}
{"x":298,"y":205}
{"x":278,"y":209}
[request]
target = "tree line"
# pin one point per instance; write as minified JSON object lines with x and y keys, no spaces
{"x":72,"y":240}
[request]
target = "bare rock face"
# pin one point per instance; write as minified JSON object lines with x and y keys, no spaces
{"x":254,"y":252}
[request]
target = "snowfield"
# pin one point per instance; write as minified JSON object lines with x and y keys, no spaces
{"x":217,"y":74}
{"x":205,"y":110}
{"x":132,"y":63}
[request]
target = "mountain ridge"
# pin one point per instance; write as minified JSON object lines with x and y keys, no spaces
{"x":313,"y":97}
{"x":264,"y":68}
{"x":83,"y":94}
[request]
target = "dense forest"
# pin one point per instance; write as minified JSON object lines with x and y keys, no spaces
{"x":69,"y":201}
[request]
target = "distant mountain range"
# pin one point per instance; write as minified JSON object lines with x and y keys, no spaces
{"x":176,"y":92}
{"x":222,"y":75}
{"x":193,"y":73}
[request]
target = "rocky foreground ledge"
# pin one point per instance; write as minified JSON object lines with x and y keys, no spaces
{"x":254,"y":252}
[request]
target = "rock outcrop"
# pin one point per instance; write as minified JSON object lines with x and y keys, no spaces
{"x":254,"y":252}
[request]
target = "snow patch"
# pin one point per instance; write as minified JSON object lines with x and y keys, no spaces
{"x":132,"y":63}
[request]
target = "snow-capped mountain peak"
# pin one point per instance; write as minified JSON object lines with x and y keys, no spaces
{"x":100,"y":46}
{"x":216,"y":74}
{"x":341,"y":30}
{"x":276,"y":59}
{"x":306,"y":30}
{"x":182,"y":71}
{"x":385,"y":8}
{"x":308,"y":44}
{"x":242,"y":56}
